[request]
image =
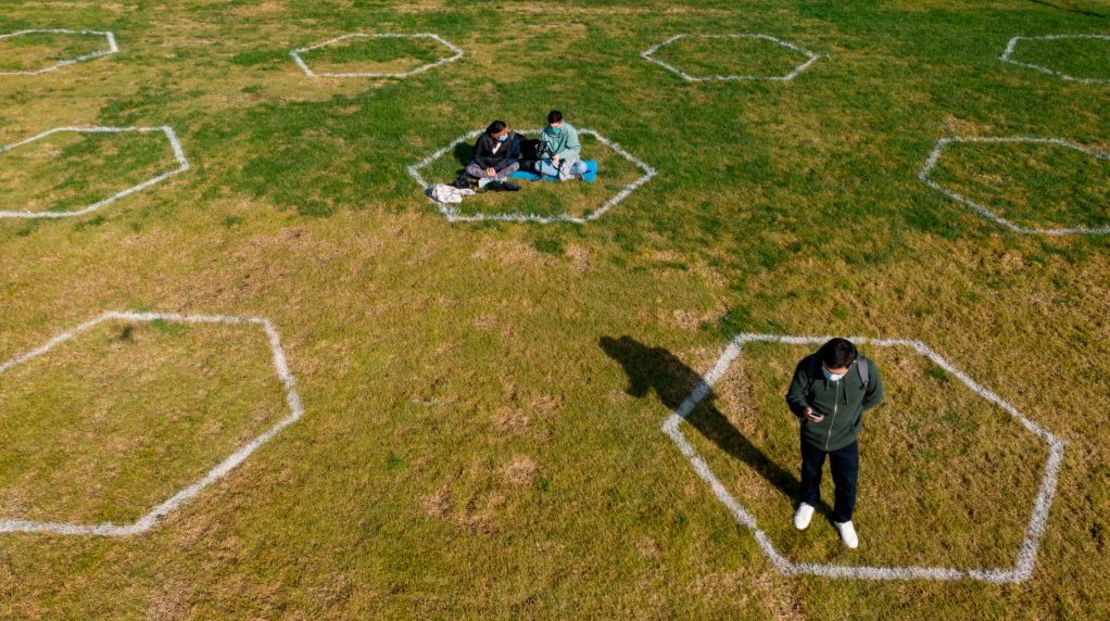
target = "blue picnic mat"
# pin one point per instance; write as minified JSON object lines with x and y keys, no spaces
{"x":590,"y":175}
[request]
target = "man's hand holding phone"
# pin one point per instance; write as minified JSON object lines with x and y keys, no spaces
{"x":812,"y":416}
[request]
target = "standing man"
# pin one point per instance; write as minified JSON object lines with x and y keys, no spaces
{"x":563,"y":152}
{"x":829,"y":393}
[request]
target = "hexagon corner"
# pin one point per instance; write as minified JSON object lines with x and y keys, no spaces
{"x":109,"y":37}
{"x":1011,"y":47}
{"x":456,"y":53}
{"x":924,"y":175}
{"x":148,"y":519}
{"x":171,"y":136}
{"x":1026,"y":553}
{"x":809,"y":57}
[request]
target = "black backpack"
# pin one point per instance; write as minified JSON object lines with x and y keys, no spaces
{"x":528,"y":151}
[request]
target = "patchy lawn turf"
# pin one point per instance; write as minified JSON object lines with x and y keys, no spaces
{"x":472,"y":447}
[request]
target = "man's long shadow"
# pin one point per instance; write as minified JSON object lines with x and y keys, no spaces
{"x":655,"y":368}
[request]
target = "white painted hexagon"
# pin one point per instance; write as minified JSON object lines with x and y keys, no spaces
{"x":453,"y":215}
{"x":938,"y":150}
{"x":108,"y":36}
{"x":1007,"y":56}
{"x":108,"y":529}
{"x":456,"y":53}
{"x":1027,"y":552}
{"x":810,"y":57}
{"x":175,"y":144}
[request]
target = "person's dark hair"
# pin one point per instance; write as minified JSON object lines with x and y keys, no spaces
{"x":554,"y":116}
{"x":496,"y":127}
{"x":838,"y":353}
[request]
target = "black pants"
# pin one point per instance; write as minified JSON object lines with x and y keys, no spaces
{"x":844,"y":464}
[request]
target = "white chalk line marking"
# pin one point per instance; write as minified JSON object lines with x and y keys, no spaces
{"x":811,"y":57}
{"x":110,"y":37}
{"x":934,"y":157}
{"x":1027,"y":552}
{"x":175,"y":144}
{"x":108,"y":529}
{"x":453,"y":215}
{"x":1007,"y":54}
{"x":457,"y":53}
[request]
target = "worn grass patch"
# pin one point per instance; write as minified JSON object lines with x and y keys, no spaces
{"x":39,"y":50}
{"x":939,"y":464}
{"x":469,"y":448}
{"x":108,"y":425}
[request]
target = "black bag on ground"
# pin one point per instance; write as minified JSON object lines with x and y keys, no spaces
{"x":530,"y":153}
{"x":463,"y":181}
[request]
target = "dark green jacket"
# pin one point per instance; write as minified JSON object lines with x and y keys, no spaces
{"x":842,"y":403}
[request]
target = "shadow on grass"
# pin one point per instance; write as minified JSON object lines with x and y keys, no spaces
{"x":656,"y":369}
{"x":1070,"y":9}
{"x":462,"y":153}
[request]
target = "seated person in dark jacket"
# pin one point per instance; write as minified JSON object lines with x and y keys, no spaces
{"x":493,"y":160}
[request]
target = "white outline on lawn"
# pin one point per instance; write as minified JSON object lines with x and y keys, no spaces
{"x":458,"y":53}
{"x":175,"y":144}
{"x":112,"y":48}
{"x":108,"y":529}
{"x":811,"y":57}
{"x":1027,"y":553}
{"x":453,"y":214}
{"x":1005,"y":57}
{"x":934,"y":157}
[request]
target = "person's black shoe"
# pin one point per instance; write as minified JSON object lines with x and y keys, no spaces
{"x":495,"y":186}
{"x":509,"y":186}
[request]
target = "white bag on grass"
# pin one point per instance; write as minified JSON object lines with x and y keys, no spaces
{"x":443,"y":193}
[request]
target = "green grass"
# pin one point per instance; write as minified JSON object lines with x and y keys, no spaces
{"x":69,"y":171}
{"x":122,"y":418}
{"x":983,"y":460}
{"x":39,"y":50}
{"x":1079,"y":58}
{"x":707,"y":57}
{"x":375,"y":55}
{"x":1034,"y":185}
{"x":470,"y":448}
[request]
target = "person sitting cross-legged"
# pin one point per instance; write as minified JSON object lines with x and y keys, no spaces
{"x":493,"y":161}
{"x":561,"y":155}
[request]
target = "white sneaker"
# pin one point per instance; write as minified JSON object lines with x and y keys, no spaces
{"x":847,"y":534}
{"x":802,"y":516}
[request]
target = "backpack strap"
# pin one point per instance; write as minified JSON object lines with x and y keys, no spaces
{"x":813,"y":372}
{"x":864,"y":370}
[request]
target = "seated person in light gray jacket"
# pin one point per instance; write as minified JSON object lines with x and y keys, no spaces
{"x":562,"y":152}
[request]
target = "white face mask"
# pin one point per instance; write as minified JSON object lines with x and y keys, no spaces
{"x":832,"y":377}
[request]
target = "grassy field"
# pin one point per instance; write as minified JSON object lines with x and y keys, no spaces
{"x":483,"y":400}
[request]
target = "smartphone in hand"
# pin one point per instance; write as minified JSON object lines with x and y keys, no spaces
{"x":812,"y":416}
